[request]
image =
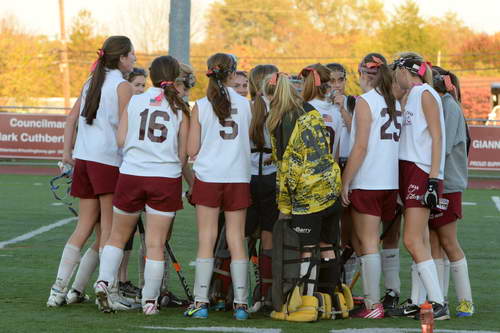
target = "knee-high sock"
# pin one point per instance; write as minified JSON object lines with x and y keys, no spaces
{"x":239,"y":275}
{"x":418,"y":292}
{"x":460,"y":275}
{"x":203,"y":275}
{"x":111,"y":259}
{"x":446,"y":278}
{"x":371,"y":268}
{"x":390,"y":268}
{"x":428,"y":275}
{"x":87,"y":267}
{"x":153,"y":275}
{"x":69,"y":260}
{"x":351,"y":267}
{"x":440,"y":272}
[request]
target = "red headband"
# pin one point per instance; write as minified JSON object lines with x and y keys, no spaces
{"x":423,"y":68}
{"x":164,"y":84}
{"x":448,"y":84}
{"x":100,"y":55}
{"x":376,"y":63}
{"x":274,"y":78}
{"x":317,"y":79}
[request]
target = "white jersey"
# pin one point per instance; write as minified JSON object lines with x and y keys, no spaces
{"x":379,"y":170}
{"x":333,"y":121}
{"x":345,"y":136}
{"x":97,"y":142}
{"x":224,"y":155}
{"x":267,"y":169}
{"x":151,"y":145}
{"x":416,"y":141}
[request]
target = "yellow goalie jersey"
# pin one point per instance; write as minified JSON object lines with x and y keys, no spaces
{"x":305,"y":165}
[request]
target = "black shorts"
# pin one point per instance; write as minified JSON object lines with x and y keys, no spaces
{"x":318,"y":227}
{"x":264,"y":210}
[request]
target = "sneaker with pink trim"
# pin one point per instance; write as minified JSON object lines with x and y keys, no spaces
{"x":376,"y":313}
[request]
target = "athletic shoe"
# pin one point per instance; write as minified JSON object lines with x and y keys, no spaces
{"x":375,"y":313}
{"x":241,"y":312}
{"x":220,"y":305}
{"x":127,"y":289}
{"x":150,"y":307}
{"x":57,"y":297}
{"x":465,"y":309}
{"x":390,"y":300}
{"x":169,"y":300}
{"x":109,"y":300}
{"x":74,"y":297}
{"x":200,"y":311}
{"x":405,"y":309}
{"x":440,"y":312}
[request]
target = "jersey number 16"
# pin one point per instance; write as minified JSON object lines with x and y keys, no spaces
{"x":153,"y":126}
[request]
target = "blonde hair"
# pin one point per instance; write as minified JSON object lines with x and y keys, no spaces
{"x":285,"y":100}
{"x":311,"y":90}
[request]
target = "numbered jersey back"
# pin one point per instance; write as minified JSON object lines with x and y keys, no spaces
{"x":224,"y":155}
{"x":151,"y":146}
{"x":379,"y":170}
{"x":333,"y":121}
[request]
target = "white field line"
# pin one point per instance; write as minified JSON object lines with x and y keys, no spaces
{"x":37,"y":232}
{"x":496,"y":200}
{"x":402,"y":330}
{"x":466,"y":203}
{"x":215,"y":329}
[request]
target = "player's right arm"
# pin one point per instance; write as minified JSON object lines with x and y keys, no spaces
{"x":121,"y":133}
{"x":69,"y":132}
{"x":194,"y":137}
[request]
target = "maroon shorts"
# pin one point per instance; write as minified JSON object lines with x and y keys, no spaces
{"x":382,"y":203}
{"x":413,"y":184}
{"x":227,"y":196}
{"x":133,"y":193}
{"x":451,"y":210}
{"x":91,"y":179}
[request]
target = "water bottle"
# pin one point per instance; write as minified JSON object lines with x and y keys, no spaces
{"x":426,"y":318}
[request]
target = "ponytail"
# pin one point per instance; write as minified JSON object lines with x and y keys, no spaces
{"x":108,"y":58}
{"x":172,"y":96}
{"x":220,"y":66}
{"x":259,"y":106}
{"x":316,"y":81}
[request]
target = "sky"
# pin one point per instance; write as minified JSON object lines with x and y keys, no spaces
{"x":42,"y":16}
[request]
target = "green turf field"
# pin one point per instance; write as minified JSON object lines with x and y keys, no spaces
{"x":28,"y":269}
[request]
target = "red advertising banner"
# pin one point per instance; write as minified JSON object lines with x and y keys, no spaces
{"x":484,"y":151}
{"x":38,"y":136}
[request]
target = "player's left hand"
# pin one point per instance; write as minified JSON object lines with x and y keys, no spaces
{"x":431,"y":198}
{"x":345,"y":195}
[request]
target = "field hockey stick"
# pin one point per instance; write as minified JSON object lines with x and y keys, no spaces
{"x":177,"y":267}
{"x":399,"y":211}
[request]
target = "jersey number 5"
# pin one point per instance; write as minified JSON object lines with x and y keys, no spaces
{"x":153,"y":126}
{"x":233,"y":125}
{"x":383,"y":130}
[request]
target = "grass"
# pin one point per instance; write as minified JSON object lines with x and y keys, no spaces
{"x":28,"y":269}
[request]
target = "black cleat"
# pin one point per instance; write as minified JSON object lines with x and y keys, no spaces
{"x":440,"y":312}
{"x":390,"y":300}
{"x":405,"y":309}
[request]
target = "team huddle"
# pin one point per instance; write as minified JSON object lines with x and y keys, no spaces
{"x":305,"y":174}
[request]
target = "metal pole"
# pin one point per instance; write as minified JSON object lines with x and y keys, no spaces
{"x":64,"y":66}
{"x":178,"y":34}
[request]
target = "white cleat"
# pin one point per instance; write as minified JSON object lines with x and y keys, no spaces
{"x":75,"y":297}
{"x":102,"y":297}
{"x":57,"y":297}
{"x":150,"y":307}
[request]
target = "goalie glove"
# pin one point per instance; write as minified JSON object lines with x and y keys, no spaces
{"x":431,"y":198}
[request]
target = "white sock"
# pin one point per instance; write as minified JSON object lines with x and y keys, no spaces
{"x":350,"y":268}
{"x":142,"y":263}
{"x":390,"y":267}
{"x":460,"y":275}
{"x":428,"y":275}
{"x":308,"y":287}
{"x":418,"y":292}
{"x":153,"y":275}
{"x":111,"y":259}
{"x":446,"y":285}
{"x":69,"y":259}
{"x":239,"y":275}
{"x":371,"y":268}
{"x":203,"y":275}
{"x":440,"y":271}
{"x":166,"y":271}
{"x":88,"y":264}
{"x":123,"y":270}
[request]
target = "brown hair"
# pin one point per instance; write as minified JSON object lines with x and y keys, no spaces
{"x":259,"y":108}
{"x":164,"y":70}
{"x":220,"y":66}
{"x":375,"y":64}
{"x":439,"y":80}
{"x":109,"y":57}
{"x":312,"y":88}
{"x":135,"y":73}
{"x":407,"y":59}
